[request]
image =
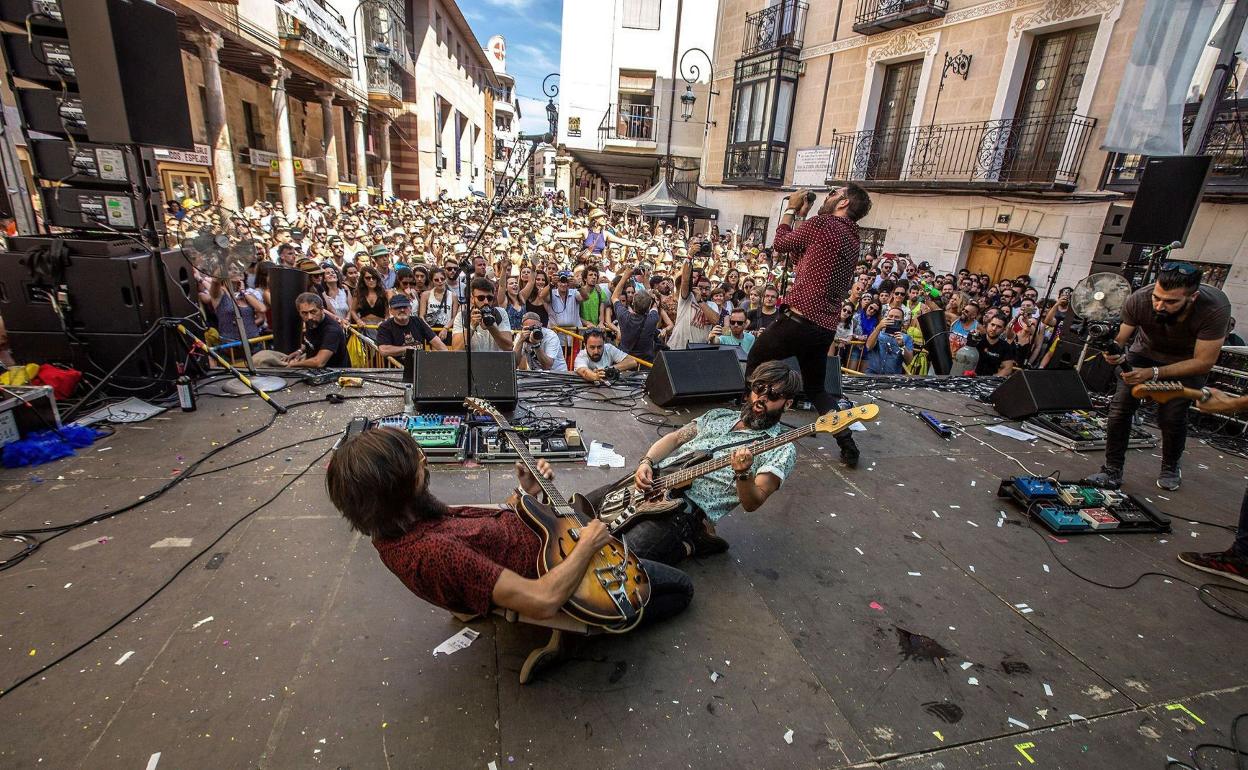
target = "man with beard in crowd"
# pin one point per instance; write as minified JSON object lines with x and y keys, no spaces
{"x":748,"y":481}
{"x":598,"y":358}
{"x":1178,"y":324}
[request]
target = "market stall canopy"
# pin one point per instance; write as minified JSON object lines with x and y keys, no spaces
{"x":663,"y":202}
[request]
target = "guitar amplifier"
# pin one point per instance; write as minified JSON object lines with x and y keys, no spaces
{"x":1230,"y":373}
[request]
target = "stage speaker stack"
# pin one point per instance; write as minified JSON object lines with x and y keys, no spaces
{"x":1028,"y":392}
{"x":695,"y":376}
{"x":936,"y":341}
{"x":285,"y":284}
{"x":440,"y":379}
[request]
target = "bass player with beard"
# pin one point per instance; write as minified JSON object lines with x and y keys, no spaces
{"x":748,"y":481}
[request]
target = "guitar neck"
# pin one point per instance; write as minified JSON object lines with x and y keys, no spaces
{"x":530,"y":462}
{"x":685,"y":475}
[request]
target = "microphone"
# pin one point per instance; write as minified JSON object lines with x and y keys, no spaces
{"x":546,"y":138}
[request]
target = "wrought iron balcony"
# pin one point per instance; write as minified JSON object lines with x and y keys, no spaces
{"x":630,"y":122}
{"x":755,"y":164}
{"x":385,"y":83}
{"x":777,"y":26}
{"x":1226,"y":141}
{"x":1031,"y":154}
{"x":875,"y":16}
{"x":319,"y":41}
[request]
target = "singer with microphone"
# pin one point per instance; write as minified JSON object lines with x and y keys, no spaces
{"x":1176,"y":327}
{"x":825,"y":249}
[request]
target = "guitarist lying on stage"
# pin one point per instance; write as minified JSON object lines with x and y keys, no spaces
{"x":749,"y":480}
{"x":467,"y":559}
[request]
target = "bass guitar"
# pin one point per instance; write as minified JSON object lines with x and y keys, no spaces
{"x":614,"y":590}
{"x":625,"y":504}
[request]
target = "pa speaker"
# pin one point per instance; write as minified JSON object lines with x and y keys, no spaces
{"x":285,"y":284}
{"x":440,"y":379}
{"x":935,"y":330}
{"x":692,"y":376}
{"x":1028,"y":392}
{"x":1166,"y":200}
{"x":129,"y":70}
{"x":1097,"y":375}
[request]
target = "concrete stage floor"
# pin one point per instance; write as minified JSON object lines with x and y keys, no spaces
{"x":862,"y":618}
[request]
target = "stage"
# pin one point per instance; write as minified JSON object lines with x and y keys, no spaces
{"x":885,"y":616}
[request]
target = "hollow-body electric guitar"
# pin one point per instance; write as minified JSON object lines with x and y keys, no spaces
{"x":625,"y":504}
{"x":614,"y":590}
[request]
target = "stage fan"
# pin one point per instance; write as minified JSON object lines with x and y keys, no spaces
{"x":218,"y":242}
{"x":1098,"y":300}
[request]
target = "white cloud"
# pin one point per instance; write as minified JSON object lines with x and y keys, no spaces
{"x":515,"y":5}
{"x":532,"y":57}
{"x":533,"y":116}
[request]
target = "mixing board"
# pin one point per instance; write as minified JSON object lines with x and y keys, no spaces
{"x":1081,"y":431}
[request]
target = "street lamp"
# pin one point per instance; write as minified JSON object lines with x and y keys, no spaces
{"x":687,"y":99}
{"x":552,"y":112}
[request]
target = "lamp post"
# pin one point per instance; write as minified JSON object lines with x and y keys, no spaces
{"x":552,"y":111}
{"x":687,"y":99}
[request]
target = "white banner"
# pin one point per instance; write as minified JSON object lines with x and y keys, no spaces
{"x":320,"y":21}
{"x":200,"y":156}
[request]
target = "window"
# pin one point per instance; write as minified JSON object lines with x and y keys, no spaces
{"x":755,"y":228}
{"x":437,"y":26}
{"x":641,"y":14}
{"x":251,"y":127}
{"x":870,"y":242}
{"x":763,"y":92}
{"x":635,"y":105}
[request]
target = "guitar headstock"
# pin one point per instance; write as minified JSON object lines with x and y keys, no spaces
{"x":481,"y":406}
{"x":834,"y":422}
{"x":1162,"y":391}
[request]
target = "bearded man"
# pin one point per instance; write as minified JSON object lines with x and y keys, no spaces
{"x":748,"y":481}
{"x":1178,"y":325}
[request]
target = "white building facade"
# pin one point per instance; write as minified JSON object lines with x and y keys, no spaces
{"x":507,"y":157}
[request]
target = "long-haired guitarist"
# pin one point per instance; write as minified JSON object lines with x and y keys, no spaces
{"x":466,"y":559}
{"x":748,"y":481}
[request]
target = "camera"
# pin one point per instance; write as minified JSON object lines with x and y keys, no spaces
{"x":489,"y":317}
{"x":535,"y":335}
{"x":810,"y":197}
{"x":611,"y":373}
{"x":705,"y":249}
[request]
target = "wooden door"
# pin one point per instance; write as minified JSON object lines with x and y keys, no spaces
{"x":1042,"y":122}
{"x":1001,"y":255}
{"x":892,"y":122}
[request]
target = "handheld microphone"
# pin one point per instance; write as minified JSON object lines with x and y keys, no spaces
{"x":546,"y":138}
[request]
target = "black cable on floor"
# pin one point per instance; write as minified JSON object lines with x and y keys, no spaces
{"x":1234,"y":748}
{"x":44,"y":669}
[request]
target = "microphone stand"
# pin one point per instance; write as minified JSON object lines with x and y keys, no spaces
{"x":467,"y":269}
{"x":1038,"y":343}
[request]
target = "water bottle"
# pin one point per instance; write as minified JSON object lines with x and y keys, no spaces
{"x":186,"y":393}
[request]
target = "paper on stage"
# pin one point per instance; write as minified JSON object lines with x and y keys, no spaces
{"x":603,"y":456}
{"x":459,"y":641}
{"x":1006,"y":430}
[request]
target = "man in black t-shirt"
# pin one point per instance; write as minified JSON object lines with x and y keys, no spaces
{"x":996,"y":353}
{"x":324,"y":341}
{"x":1178,"y":327}
{"x":401,"y":332}
{"x":762,"y":317}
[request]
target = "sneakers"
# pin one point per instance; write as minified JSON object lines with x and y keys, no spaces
{"x":1170,"y":478}
{"x":849,"y":450}
{"x":1224,"y":563}
{"x":1108,"y":478}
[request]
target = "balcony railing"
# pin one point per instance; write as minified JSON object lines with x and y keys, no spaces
{"x":321,"y":37}
{"x":1227,"y":142}
{"x":778,"y":26}
{"x":1034,"y":153}
{"x":755,"y":164}
{"x":875,"y":16}
{"x":385,"y":83}
{"x":634,"y":122}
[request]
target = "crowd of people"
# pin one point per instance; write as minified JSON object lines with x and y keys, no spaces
{"x":402,"y":274}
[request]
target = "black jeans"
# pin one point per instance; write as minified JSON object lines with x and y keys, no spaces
{"x":1171,"y":418}
{"x":806,"y":341}
{"x":659,"y":539}
{"x":670,"y":592}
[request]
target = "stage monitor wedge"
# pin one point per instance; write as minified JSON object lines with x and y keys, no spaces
{"x":695,"y":376}
{"x":1028,"y":392}
{"x":129,"y":69}
{"x":1166,"y":199}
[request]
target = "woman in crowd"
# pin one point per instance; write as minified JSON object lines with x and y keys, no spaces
{"x":337,"y":297}
{"x":438,"y":304}
{"x":371,"y":299}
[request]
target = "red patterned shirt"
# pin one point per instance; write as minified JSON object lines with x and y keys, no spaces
{"x":827,"y":249}
{"x":454,"y":562}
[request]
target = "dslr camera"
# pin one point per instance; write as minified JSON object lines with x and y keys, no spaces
{"x":535,"y":335}
{"x":611,"y":373}
{"x":489,"y":317}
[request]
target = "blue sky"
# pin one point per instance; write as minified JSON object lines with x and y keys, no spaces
{"x":532,"y":29}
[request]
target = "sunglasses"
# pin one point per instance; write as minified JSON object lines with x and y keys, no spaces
{"x":736,"y":323}
{"x":763,"y":388}
{"x":1180,"y":267}
{"x":483,"y":297}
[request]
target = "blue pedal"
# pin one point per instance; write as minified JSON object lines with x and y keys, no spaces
{"x":1059,"y":518}
{"x":1035,"y":488}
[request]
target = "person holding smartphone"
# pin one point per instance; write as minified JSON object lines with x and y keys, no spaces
{"x":889,"y":348}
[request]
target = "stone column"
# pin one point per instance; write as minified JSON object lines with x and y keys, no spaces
{"x":361,"y":158}
{"x":285,"y":156}
{"x":563,"y":177}
{"x":224,"y":182}
{"x":332,"y":195}
{"x":387,"y":168}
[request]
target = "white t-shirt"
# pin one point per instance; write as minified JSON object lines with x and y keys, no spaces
{"x":482,"y":340}
{"x":565,"y":312}
{"x":683,"y":329}
{"x":611,"y":355}
{"x":553,"y":350}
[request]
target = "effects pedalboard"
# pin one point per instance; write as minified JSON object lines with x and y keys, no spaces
{"x":453,"y":438}
{"x":1081,"y":431}
{"x":1073,"y":509}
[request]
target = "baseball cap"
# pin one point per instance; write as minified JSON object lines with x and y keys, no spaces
{"x":400,"y":301}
